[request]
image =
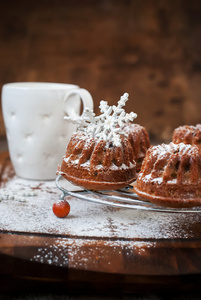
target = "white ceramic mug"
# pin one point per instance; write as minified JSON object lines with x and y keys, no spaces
{"x":37,"y":133}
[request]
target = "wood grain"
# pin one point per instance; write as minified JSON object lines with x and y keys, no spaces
{"x":149,"y":49}
{"x":6,"y":169}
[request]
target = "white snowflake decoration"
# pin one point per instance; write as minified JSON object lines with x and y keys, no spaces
{"x":108,"y":126}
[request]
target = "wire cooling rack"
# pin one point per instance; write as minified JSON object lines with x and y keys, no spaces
{"x":123,"y":198}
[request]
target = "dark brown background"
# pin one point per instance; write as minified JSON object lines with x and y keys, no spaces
{"x":150,"y":49}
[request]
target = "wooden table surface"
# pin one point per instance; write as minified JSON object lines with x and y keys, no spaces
{"x":96,"y":246}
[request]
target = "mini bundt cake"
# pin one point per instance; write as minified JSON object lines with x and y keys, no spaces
{"x":100,"y":156}
{"x":139,"y":139}
{"x":98,"y":164}
{"x":171,"y":175}
{"x":187,"y":134}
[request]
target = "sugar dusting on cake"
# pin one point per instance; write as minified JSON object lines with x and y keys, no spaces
{"x":99,"y":166}
{"x":108,"y":125}
{"x":166,"y":151}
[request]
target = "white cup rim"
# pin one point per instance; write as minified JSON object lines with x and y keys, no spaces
{"x":39,"y":85}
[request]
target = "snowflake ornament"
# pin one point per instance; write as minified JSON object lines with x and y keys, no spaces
{"x":108,"y":125}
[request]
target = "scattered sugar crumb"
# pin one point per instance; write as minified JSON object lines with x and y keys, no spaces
{"x":34,"y":215}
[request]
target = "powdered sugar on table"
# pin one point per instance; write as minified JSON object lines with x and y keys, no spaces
{"x":26,"y":206}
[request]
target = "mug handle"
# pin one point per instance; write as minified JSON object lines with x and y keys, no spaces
{"x":85,"y":97}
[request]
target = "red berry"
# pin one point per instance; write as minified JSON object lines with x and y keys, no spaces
{"x":61,"y":208}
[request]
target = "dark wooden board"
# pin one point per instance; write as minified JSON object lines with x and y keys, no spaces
{"x":104,"y":246}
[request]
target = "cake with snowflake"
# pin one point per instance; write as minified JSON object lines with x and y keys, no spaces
{"x":140,"y":142}
{"x":99,"y":155}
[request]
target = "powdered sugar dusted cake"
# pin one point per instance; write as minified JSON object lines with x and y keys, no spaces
{"x":100,"y":156}
{"x":95,"y":164}
{"x":171,"y":175}
{"x":187,"y":134}
{"x":139,"y":139}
